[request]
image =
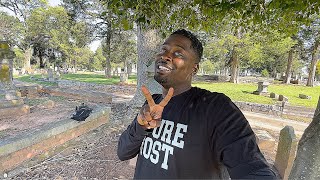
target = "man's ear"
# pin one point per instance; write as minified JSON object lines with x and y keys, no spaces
{"x":195,"y":68}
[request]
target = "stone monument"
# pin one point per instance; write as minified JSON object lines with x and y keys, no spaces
{"x":307,"y":162}
{"x":6,"y":63}
{"x":10,"y":99}
{"x":262,"y":88}
{"x":286,"y":151}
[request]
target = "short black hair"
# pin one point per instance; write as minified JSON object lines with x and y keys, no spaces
{"x":195,"y":43}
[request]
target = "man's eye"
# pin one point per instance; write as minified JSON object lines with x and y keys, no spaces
{"x":178,"y":54}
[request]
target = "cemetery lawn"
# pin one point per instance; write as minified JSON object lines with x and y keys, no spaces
{"x":243,"y":92}
{"x":85,"y":77}
{"x":237,"y":92}
{"x":97,"y":78}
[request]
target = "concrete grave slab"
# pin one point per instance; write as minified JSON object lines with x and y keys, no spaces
{"x":20,"y":148}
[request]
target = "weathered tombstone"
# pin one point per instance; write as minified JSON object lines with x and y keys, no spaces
{"x":286,"y":151}
{"x":283,"y":98}
{"x":274,"y":95}
{"x":296,"y":81}
{"x":303,"y":96}
{"x":50,"y":75}
{"x":123,"y":77}
{"x":278,"y":76}
{"x":10,"y":100}
{"x":262,"y":88}
{"x":307,"y":162}
{"x":6,"y":65}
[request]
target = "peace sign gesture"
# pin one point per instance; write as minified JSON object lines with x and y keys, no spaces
{"x":150,"y":114}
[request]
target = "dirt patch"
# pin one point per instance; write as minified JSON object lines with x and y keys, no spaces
{"x":90,"y":156}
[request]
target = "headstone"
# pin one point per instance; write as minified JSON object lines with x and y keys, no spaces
{"x":296,"y":81}
{"x":303,"y":96}
{"x":274,"y":95}
{"x":262,"y":88}
{"x":286,"y":151}
{"x":278,"y":76}
{"x":6,"y":65}
{"x":307,"y":162}
{"x":123,"y":77}
{"x":50,"y":75}
{"x":283,"y":98}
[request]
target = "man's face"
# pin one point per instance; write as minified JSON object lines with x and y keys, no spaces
{"x":176,"y":62}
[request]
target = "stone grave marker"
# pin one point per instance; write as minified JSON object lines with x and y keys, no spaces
{"x":262,"y":88}
{"x":274,"y":95}
{"x":307,"y":162}
{"x":50,"y":75}
{"x":303,"y":96}
{"x":286,"y":151}
{"x":10,"y":100}
{"x":283,"y":98}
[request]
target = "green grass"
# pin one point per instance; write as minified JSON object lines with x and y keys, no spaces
{"x":96,"y":78}
{"x":26,"y":78}
{"x":243,"y":92}
{"x":85,"y":77}
{"x":237,"y":92}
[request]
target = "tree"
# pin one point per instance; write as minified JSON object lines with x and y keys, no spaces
{"x":22,"y":10}
{"x":98,"y":60}
{"x":310,"y":35}
{"x":10,"y":28}
{"x":102,"y":21}
{"x":207,"y":66}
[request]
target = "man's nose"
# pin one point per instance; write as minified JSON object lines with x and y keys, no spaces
{"x":166,"y":57}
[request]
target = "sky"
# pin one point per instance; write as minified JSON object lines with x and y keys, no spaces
{"x":54,"y":2}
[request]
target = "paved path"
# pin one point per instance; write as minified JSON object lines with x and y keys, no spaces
{"x":274,"y":123}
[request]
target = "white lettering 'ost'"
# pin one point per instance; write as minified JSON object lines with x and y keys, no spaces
{"x":150,"y":148}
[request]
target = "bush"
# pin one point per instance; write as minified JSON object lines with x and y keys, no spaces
{"x":264,"y":73}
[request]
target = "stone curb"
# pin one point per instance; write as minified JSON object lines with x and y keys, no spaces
{"x":81,"y":94}
{"x":18,"y":149}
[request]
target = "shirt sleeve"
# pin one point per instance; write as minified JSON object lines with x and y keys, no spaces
{"x":235,"y":144}
{"x":130,"y":141}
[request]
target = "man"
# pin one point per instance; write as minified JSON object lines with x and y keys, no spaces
{"x":189,"y":132}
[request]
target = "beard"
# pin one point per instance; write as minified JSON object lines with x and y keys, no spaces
{"x":160,"y":80}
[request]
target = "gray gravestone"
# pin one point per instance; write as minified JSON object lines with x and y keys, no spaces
{"x":262,"y":88}
{"x":283,"y":98}
{"x":303,"y":96}
{"x":274,"y":95}
{"x":286,"y":151}
{"x":6,"y":65}
{"x":307,"y":162}
{"x":50,"y":75}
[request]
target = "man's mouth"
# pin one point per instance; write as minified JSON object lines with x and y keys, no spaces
{"x":163,"y":68}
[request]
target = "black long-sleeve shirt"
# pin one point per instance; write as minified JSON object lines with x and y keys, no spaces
{"x":201,"y":133}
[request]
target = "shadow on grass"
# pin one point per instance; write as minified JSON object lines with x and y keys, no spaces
{"x":247,"y":92}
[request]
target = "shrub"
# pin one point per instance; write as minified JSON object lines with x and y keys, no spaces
{"x":264,"y":73}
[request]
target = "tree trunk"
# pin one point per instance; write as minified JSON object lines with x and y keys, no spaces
{"x":106,"y":51}
{"x":147,"y":46}
{"x":234,"y":64}
{"x":307,"y":162}
{"x":27,"y":57}
{"x":313,"y":65}
{"x":289,"y":67}
{"x":129,"y":67}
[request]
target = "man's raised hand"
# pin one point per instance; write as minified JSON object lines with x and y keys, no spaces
{"x":150,"y":114}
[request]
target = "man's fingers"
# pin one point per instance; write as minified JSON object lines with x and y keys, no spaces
{"x":148,"y":96}
{"x":166,"y":99}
